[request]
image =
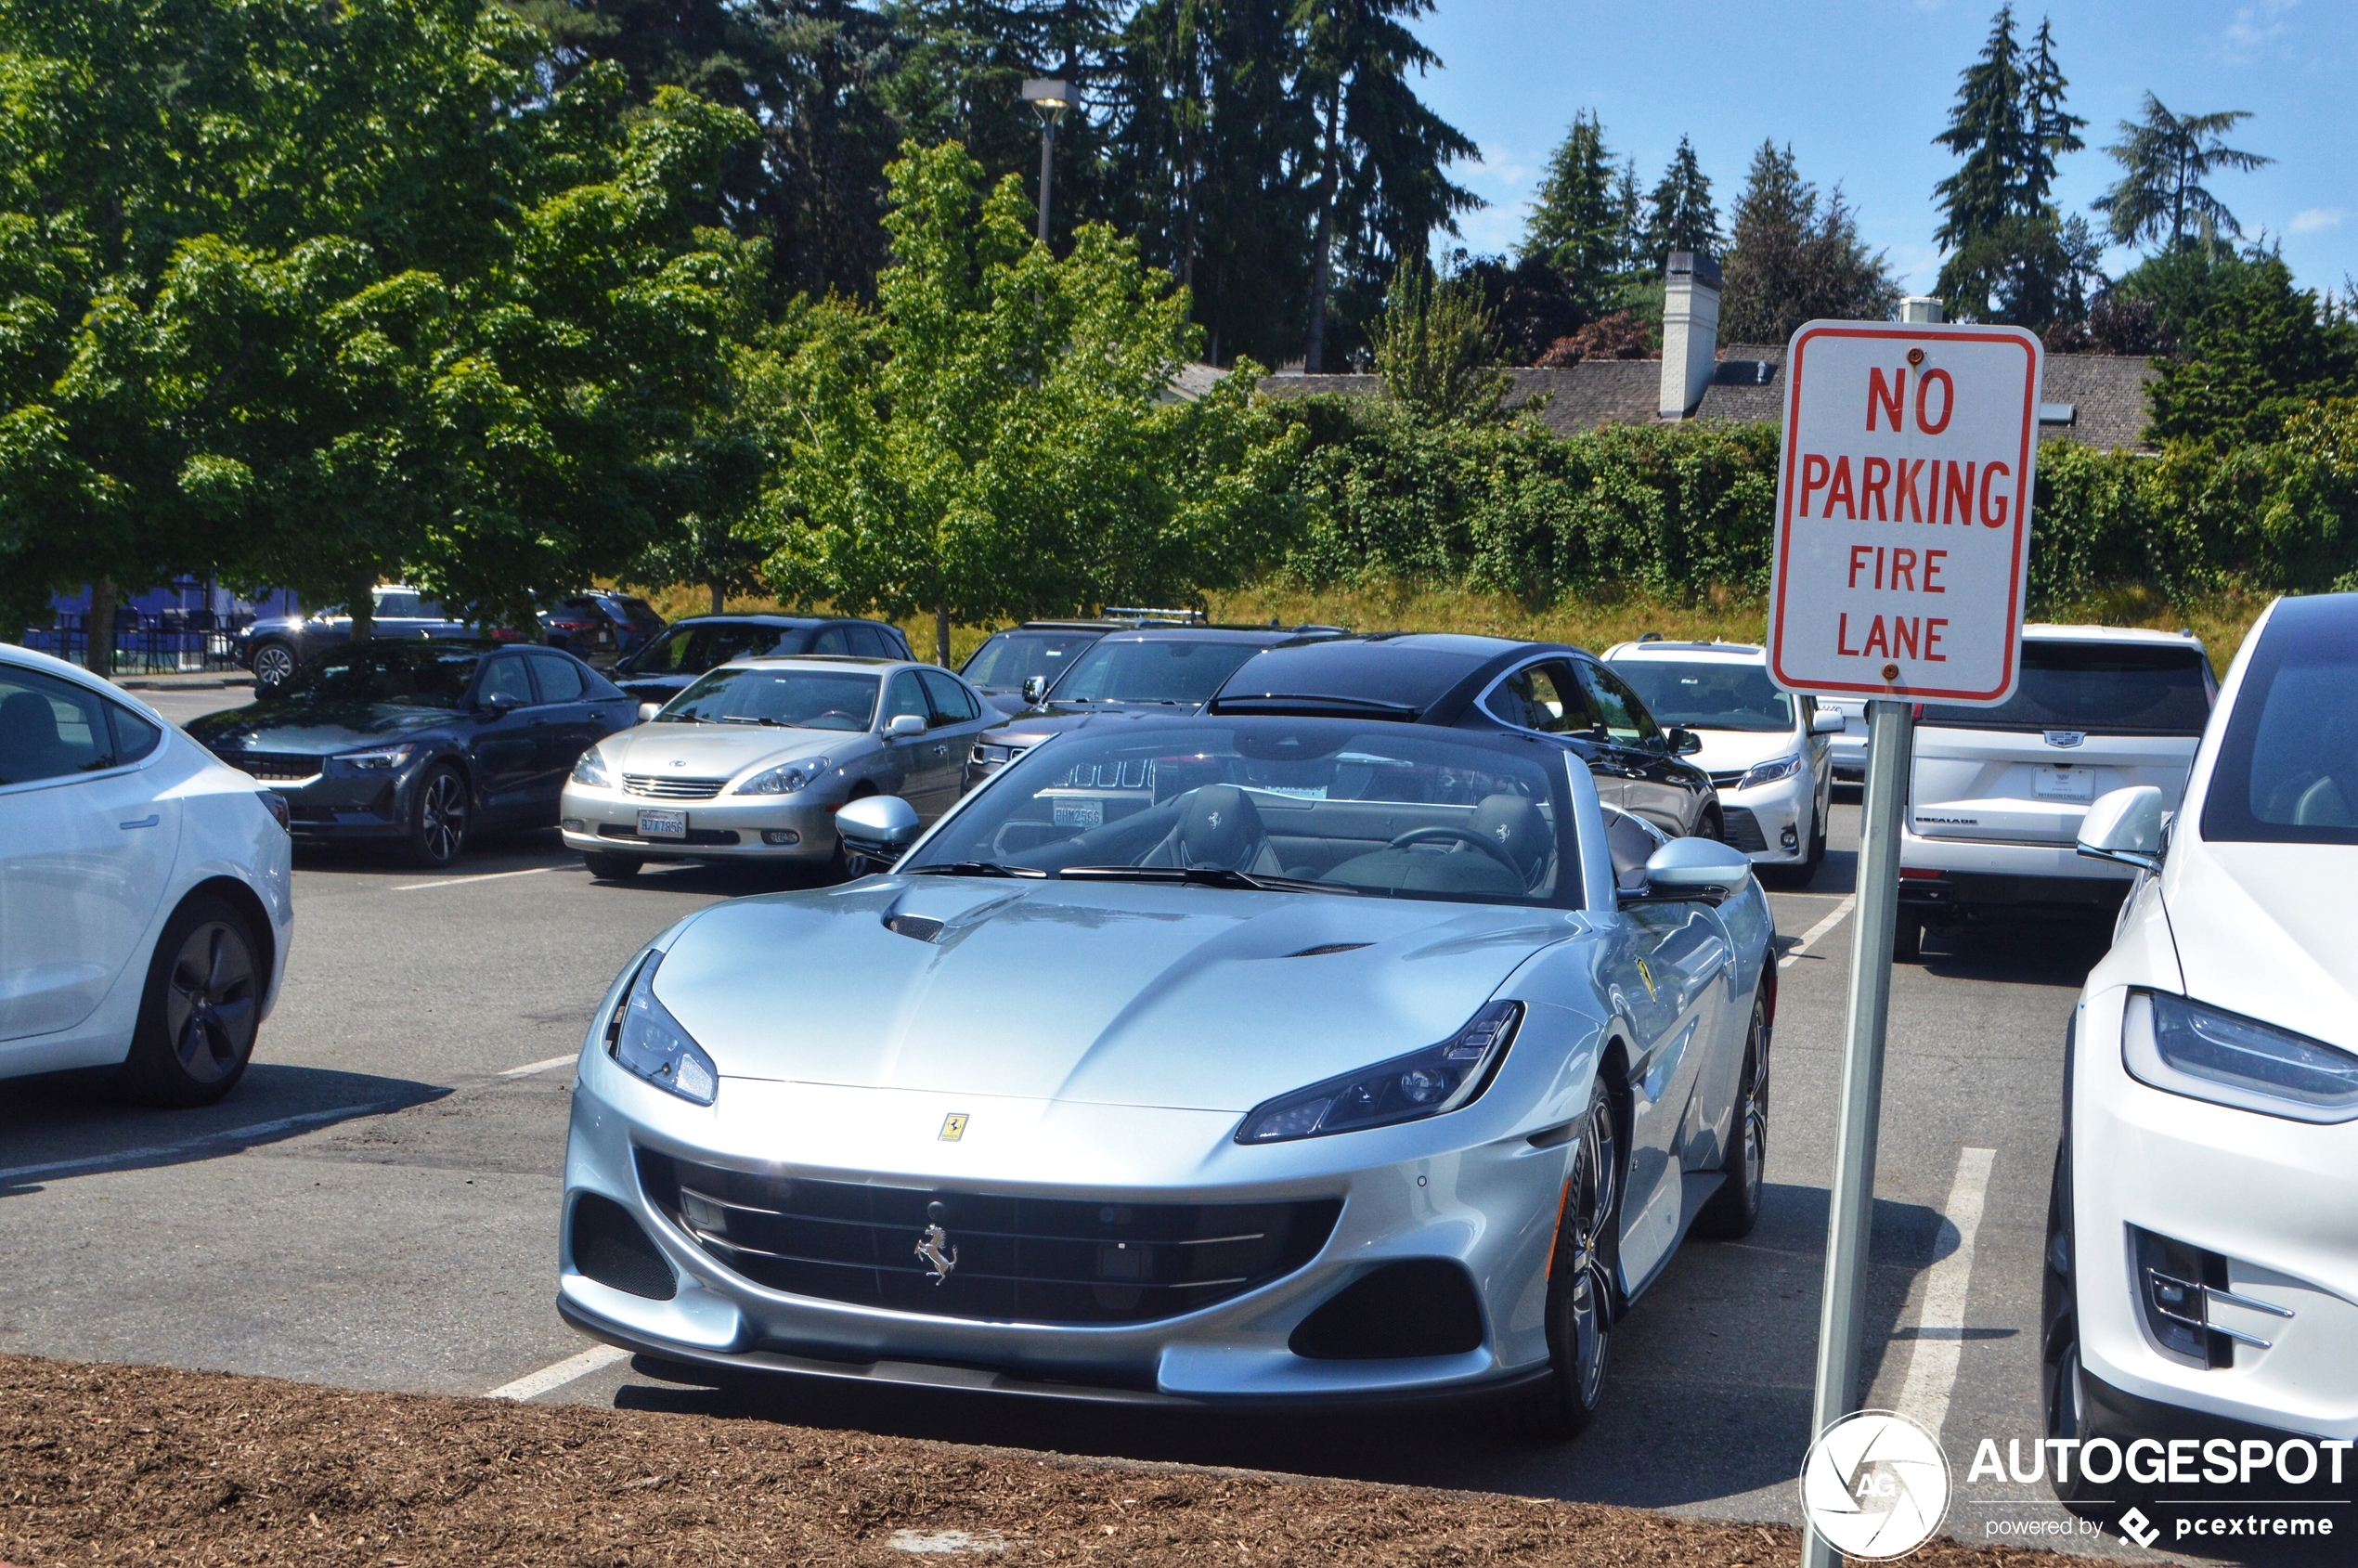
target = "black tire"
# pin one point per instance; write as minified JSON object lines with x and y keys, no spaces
{"x":440,"y":810}
{"x":1580,"y":1295}
{"x":274,"y":666}
{"x":201,"y":1009}
{"x":1907,"y":938}
{"x":1730,"y":1213}
{"x":1712,"y":826}
{"x":1818,"y":838}
{"x":2062,"y":1393}
{"x":609,"y":868}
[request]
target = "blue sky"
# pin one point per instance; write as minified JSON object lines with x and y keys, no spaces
{"x":1860,"y":89}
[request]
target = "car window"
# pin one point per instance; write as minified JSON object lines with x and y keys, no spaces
{"x":906,"y":696}
{"x":830,"y":640}
{"x":397,"y":605}
{"x":506,"y":677}
{"x":951,"y":703}
{"x":1617,"y":708}
{"x":1540,"y":697}
{"x":1004,"y":662}
{"x":2288,"y":765}
{"x":1708,"y":694}
{"x":802,"y":699}
{"x":1394,"y":811}
{"x":50,"y":728}
{"x":639,"y":613}
{"x":2098,"y":688}
{"x":414,"y":673}
{"x":134,"y":736}
{"x":1176,"y":671}
{"x":895,"y":645}
{"x":560,"y":678}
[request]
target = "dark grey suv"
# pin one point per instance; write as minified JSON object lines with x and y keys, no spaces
{"x":275,"y":648}
{"x":670,"y":665}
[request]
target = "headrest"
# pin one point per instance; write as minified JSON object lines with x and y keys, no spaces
{"x":27,"y":719}
{"x":1222,"y":828}
{"x":1515,"y":825}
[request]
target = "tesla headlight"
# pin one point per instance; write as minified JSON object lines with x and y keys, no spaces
{"x":1770,"y":773}
{"x":645,"y":1038}
{"x":1408,"y":1088}
{"x":589,"y":771}
{"x":377,"y":759}
{"x":785,"y":779}
{"x":2189,"y":1049}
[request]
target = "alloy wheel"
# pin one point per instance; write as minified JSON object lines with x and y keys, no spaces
{"x":1590,"y":1211}
{"x":209,"y":1002}
{"x":273,"y":664}
{"x":442,"y":816}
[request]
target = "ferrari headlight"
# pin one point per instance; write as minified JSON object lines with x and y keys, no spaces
{"x":1770,"y":773}
{"x":1426,"y":1082}
{"x":785,"y":779}
{"x":2189,"y":1049}
{"x":591,"y":771}
{"x":377,"y":759}
{"x":645,"y":1038}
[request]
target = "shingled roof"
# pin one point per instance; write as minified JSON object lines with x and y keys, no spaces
{"x":2105,"y":393}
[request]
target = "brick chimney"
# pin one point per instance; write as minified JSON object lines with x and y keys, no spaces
{"x":1690,"y":331}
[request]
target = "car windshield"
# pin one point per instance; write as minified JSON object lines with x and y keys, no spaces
{"x":1002,"y":663}
{"x":1387,"y":810}
{"x":1164,"y":670}
{"x":2098,"y":688}
{"x":699,"y":646}
{"x":2287,"y":766}
{"x":1708,"y":695}
{"x":801,"y":699}
{"x":412,"y":674}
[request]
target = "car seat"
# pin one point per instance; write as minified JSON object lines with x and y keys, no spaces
{"x":1222,"y":829}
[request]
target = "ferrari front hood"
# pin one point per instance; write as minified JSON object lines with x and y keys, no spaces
{"x":1118,"y":993}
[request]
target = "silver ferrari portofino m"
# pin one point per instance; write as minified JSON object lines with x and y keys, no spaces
{"x":1320,"y":1061}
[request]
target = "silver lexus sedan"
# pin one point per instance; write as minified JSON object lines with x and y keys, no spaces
{"x":1335,"y":1061}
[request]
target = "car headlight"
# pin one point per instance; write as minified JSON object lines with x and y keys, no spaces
{"x":591,"y":771}
{"x":1770,"y":773}
{"x":785,"y":779}
{"x":2185,"y":1048}
{"x":992,"y":754}
{"x":1426,"y":1082}
{"x":645,"y":1038}
{"x":378,"y":759}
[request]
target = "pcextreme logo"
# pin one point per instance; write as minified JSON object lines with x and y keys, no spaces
{"x":1875,"y":1485}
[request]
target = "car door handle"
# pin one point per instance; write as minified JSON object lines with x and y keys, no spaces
{"x":940,"y":750}
{"x":148,"y":820}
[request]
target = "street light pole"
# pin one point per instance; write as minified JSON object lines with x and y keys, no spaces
{"x":1049,"y":101}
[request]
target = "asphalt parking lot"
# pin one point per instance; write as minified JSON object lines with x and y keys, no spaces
{"x":376,"y":1206}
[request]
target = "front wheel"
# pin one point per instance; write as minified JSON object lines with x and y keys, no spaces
{"x":609,"y":868}
{"x":274,"y":666}
{"x":201,"y":1010}
{"x":438,"y":817}
{"x":1734,"y":1210}
{"x":1579,"y":1310}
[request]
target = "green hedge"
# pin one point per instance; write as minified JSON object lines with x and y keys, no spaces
{"x":1680,"y":512}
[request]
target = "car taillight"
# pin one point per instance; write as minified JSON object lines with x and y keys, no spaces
{"x":506,"y":634}
{"x":276,"y":804}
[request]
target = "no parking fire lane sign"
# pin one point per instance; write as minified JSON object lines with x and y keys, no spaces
{"x":1903,"y":510}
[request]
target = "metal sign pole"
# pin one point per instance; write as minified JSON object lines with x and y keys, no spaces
{"x":1850,"y":1225}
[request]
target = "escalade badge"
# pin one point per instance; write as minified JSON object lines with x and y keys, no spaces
{"x":2066,"y":737}
{"x":931,"y":1247}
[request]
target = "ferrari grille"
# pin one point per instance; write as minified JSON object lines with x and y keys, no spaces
{"x":665,"y":787}
{"x":1032,"y":1260}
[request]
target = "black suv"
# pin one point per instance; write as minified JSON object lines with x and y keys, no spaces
{"x":601,"y":627}
{"x":1493,"y":683}
{"x":1157,"y":670}
{"x":670,"y":664}
{"x":1009,"y":662}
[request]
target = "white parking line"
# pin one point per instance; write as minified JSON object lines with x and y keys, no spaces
{"x":530,"y":1067}
{"x":563,"y":1372}
{"x":1834,"y":917}
{"x":461,"y":881}
{"x":158,"y":1151}
{"x":1932,"y":1371}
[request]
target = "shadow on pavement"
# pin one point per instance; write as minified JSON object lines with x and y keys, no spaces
{"x":72,"y":1123}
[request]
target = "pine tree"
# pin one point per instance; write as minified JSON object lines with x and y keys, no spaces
{"x":1792,"y":258}
{"x":1574,"y":226}
{"x":1986,"y":129}
{"x":1679,"y":215}
{"x":2054,"y":130}
{"x":1629,"y":222}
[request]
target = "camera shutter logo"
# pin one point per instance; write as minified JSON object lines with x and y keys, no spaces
{"x":1875,"y":1485}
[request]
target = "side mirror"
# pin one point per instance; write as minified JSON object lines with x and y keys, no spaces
{"x":878,"y":826}
{"x":1684,"y":742}
{"x":648,"y":710}
{"x":904,"y":725}
{"x":499,"y":704}
{"x":1035,"y":688}
{"x":1700,"y":869}
{"x":2125,"y":825}
{"x":1827,"y":722}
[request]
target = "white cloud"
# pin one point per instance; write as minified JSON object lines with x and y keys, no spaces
{"x":2313,"y":220}
{"x":2253,"y":29}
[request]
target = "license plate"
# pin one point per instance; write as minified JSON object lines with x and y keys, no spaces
{"x":1086,"y":810}
{"x":2064,"y":783}
{"x":663,"y":824}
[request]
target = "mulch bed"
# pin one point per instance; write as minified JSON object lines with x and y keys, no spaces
{"x":149,"y":1465}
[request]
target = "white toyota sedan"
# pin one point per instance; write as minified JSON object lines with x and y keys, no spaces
{"x":144,"y":900}
{"x":2202,"y":1254}
{"x":1766,"y":750}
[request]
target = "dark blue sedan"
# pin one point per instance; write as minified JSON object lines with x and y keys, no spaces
{"x":421,"y":743}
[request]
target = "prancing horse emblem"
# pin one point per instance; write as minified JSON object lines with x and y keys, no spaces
{"x":930,"y":1248}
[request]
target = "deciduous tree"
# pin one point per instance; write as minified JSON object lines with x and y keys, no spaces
{"x":2164,"y":158}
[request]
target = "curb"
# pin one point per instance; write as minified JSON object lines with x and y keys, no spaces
{"x":182,"y":682}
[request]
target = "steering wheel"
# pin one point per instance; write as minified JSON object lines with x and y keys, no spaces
{"x":1460,"y":836}
{"x":817,"y":720}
